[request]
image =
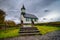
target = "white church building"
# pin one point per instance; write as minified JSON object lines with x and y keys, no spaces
{"x":26,"y":17}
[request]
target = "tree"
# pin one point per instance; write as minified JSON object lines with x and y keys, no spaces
{"x":10,"y":23}
{"x":2,"y":16}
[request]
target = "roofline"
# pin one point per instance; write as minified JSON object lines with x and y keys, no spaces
{"x":29,"y":17}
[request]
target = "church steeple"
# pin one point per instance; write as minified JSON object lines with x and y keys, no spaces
{"x":23,"y":10}
{"x":23,"y":7}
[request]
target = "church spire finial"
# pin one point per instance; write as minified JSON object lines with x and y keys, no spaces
{"x":23,"y":7}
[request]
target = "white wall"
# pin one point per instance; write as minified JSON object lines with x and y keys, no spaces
{"x":24,"y":20}
{"x":29,"y":21}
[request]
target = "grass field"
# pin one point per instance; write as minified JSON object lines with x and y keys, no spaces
{"x":12,"y":32}
{"x":47,"y":29}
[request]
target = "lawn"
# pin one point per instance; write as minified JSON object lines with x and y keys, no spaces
{"x":11,"y":32}
{"x":47,"y":29}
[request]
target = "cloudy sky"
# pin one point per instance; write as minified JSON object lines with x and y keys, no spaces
{"x":45,"y":10}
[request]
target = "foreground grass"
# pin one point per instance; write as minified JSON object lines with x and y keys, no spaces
{"x":47,"y":29}
{"x":11,"y":32}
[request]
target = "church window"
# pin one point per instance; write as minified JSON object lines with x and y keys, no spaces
{"x":27,"y":19}
{"x":35,"y":20}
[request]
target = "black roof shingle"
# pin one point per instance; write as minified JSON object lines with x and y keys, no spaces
{"x":30,"y":16}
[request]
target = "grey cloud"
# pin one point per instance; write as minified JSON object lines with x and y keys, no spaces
{"x":32,"y":5}
{"x":10,"y":4}
{"x":38,"y":5}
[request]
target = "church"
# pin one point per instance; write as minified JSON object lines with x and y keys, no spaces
{"x":26,"y":17}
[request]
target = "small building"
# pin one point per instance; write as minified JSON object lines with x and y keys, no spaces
{"x":26,"y":17}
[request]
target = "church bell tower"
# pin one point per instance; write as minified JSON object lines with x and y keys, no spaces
{"x":23,"y":10}
{"x":22,"y":15}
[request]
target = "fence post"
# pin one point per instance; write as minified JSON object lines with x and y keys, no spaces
{"x":32,"y":23}
{"x":21,"y":23}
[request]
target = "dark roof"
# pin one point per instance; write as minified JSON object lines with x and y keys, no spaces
{"x":30,"y":16}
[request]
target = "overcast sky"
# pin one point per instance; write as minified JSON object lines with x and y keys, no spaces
{"x":45,"y":10}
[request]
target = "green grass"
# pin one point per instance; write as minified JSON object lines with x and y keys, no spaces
{"x":47,"y":29}
{"x":11,"y":32}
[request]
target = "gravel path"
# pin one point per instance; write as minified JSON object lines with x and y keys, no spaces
{"x":49,"y":36}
